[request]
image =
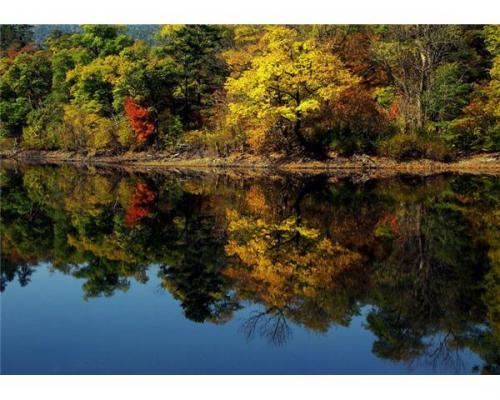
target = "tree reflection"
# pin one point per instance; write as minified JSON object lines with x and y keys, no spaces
{"x":271,"y":324}
{"x":422,"y":254}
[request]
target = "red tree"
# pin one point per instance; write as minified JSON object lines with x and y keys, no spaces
{"x":140,"y":120}
{"x":14,"y":51}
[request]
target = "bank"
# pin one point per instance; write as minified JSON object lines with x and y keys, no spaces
{"x":487,"y":163}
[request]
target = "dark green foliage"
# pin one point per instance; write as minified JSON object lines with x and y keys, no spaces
{"x":24,"y":85}
{"x":13,"y":116}
{"x":15,"y":36}
{"x":450,"y":93}
{"x":104,"y":40}
{"x":196,"y":50}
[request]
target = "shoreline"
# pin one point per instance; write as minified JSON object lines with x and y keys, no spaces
{"x":485,"y":163}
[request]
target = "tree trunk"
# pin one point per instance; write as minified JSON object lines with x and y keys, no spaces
{"x":424,"y":59}
{"x":297,"y":130}
{"x":420,"y":114}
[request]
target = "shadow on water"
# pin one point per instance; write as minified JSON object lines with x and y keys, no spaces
{"x":419,"y":258}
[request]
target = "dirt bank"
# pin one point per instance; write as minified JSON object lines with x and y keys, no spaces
{"x":488,"y":163}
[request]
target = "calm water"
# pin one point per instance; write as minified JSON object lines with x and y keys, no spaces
{"x":107,"y":272}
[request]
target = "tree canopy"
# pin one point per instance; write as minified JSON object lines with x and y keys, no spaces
{"x":397,"y":90}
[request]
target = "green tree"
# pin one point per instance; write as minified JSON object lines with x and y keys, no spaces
{"x":196,"y":50}
{"x":104,"y":40}
{"x":25,"y":82}
{"x":411,"y":56}
{"x":450,"y":93}
{"x":151,"y":80}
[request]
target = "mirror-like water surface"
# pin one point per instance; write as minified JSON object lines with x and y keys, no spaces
{"x":147,"y":273}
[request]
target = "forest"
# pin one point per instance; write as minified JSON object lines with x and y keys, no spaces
{"x":400,"y":91}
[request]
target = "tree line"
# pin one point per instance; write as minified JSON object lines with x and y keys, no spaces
{"x":404,"y":91}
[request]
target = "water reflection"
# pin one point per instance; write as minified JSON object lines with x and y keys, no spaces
{"x":422,"y":254}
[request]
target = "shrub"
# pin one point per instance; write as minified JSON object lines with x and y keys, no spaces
{"x":74,"y":132}
{"x":467,"y":136}
{"x":43,"y":128}
{"x":8,"y":143}
{"x":197,"y":140}
{"x":357,"y":123}
{"x":103,"y":134}
{"x":405,"y":147}
{"x":477,"y":130}
{"x":216,"y":143}
{"x":83,"y":129}
{"x":12,"y":116}
{"x":169,"y":128}
{"x":385,"y":96}
{"x":125,"y":134}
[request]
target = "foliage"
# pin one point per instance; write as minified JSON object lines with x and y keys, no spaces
{"x":410,"y":147}
{"x":201,"y":71}
{"x":294,"y":90}
{"x":12,"y":116}
{"x":289,"y":80}
{"x":104,"y":40}
{"x":14,"y":37}
{"x":411,"y":55}
{"x":449,"y":95}
{"x":476,"y":129}
{"x":140,"y":120}
{"x":125,"y":135}
{"x":92,"y":85}
{"x":357,"y":123}
{"x":43,"y":125}
{"x":86,"y":129}
{"x":25,"y":82}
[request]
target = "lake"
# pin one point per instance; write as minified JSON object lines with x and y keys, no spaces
{"x":108,"y":271}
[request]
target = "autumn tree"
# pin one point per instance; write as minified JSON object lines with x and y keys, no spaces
{"x":355,"y":122}
{"x":92,"y":85}
{"x":140,"y":119}
{"x":148,"y":82}
{"x":288,"y":80}
{"x":353,"y":45}
{"x":288,"y":89}
{"x":493,"y":90}
{"x":411,"y":56}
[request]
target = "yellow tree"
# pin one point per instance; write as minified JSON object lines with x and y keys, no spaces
{"x":288,"y":80}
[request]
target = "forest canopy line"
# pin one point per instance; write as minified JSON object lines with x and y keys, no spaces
{"x":403,"y":91}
